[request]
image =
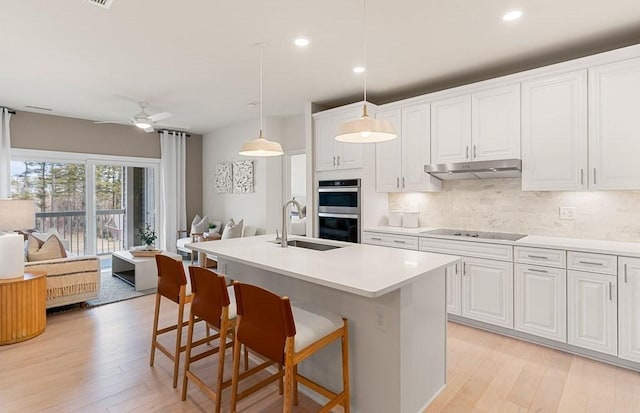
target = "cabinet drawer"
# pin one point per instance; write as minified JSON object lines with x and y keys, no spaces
{"x":540,"y":256}
{"x":391,"y":240}
{"x":585,"y":261}
{"x":468,"y":248}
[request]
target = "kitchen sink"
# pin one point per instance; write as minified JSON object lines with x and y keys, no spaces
{"x":309,"y":245}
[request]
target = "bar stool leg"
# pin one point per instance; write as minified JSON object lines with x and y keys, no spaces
{"x":154,"y":335}
{"x":289,"y":378}
{"x":187,"y":362}
{"x":345,"y":368}
{"x":295,"y":385}
{"x":280,"y":381}
{"x":176,"y":361}
{"x":235,"y":373}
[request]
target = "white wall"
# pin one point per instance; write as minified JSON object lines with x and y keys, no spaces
{"x":500,"y":205}
{"x":262,"y":208}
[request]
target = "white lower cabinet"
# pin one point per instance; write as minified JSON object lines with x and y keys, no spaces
{"x":592,"y":311}
{"x":540,"y":301}
{"x":454,"y":305}
{"x":629,"y":309}
{"x":487,"y":291}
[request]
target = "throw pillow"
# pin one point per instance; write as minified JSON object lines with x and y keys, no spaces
{"x":233,"y":230}
{"x":48,"y":250}
{"x":199,"y":225}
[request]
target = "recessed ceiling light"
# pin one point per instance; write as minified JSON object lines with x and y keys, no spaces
{"x":358,"y":69}
{"x":302,"y":41}
{"x":512,"y":15}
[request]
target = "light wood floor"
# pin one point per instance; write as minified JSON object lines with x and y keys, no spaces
{"x":97,"y":360}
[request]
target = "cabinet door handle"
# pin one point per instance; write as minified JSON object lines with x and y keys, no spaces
{"x":399,"y":241}
{"x":397,"y":182}
{"x":376,"y":239}
{"x":595,"y":177}
{"x":464,"y":268}
{"x":610,"y":291}
{"x":590,"y":263}
{"x":334,"y":160}
{"x":537,"y":270}
{"x":625,"y":274}
{"x":475,"y":151}
{"x":581,"y":176}
{"x":338,"y":160}
{"x":466,"y":156}
{"x":538,"y":256}
{"x":403,"y":181}
{"x":456,"y":269}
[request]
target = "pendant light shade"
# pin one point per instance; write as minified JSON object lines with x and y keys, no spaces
{"x":261,"y":147}
{"x":365,"y":129}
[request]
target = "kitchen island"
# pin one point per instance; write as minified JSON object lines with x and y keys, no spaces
{"x":394,"y":300}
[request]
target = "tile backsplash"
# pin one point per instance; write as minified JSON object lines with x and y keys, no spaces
{"x":500,"y":205}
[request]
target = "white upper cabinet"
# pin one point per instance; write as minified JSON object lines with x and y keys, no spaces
{"x":389,"y":154}
{"x":614,"y":125}
{"x":554,"y":133}
{"x":400,"y":162}
{"x":482,"y":126}
{"x":331,"y":154}
{"x":451,"y":130}
{"x":495,"y":123}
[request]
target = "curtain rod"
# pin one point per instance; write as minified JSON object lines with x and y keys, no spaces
{"x":174,"y":131}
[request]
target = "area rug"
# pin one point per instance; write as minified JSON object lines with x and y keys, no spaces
{"x":113,"y":289}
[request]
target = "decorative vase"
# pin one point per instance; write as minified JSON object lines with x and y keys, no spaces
{"x":149,"y":247}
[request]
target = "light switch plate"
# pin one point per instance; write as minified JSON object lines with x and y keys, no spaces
{"x":568,"y":213}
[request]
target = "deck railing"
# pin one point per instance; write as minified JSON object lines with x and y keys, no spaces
{"x":110,"y":229}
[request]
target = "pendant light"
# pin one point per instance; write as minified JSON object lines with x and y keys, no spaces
{"x":365,"y":129}
{"x":261,"y":146}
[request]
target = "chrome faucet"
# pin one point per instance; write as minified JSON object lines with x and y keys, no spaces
{"x":283,"y":240}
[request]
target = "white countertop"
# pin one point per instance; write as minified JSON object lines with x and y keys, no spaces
{"x":398,"y":230}
{"x":366,"y":270}
{"x":630,"y":249}
{"x":627,"y":249}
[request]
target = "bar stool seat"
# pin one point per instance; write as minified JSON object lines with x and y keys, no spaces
{"x":311,"y":327}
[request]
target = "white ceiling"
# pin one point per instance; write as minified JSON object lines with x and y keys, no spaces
{"x":196,"y":58}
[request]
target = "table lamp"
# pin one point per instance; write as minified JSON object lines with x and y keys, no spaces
{"x":14,"y":214}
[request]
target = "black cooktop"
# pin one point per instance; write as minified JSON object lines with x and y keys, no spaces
{"x":461,"y":233}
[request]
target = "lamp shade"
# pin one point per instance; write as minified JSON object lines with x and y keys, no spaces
{"x":365,"y":130}
{"x":17,"y":214}
{"x":261,"y":147}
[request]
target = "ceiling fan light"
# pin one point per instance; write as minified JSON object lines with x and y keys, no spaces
{"x":261,"y":147}
{"x":366,"y":130}
{"x":142,"y":124}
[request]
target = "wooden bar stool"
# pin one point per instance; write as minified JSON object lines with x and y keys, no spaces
{"x":214,"y":303}
{"x":273,"y":329}
{"x":172,"y":284}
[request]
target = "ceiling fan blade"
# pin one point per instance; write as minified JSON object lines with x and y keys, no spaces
{"x":176,"y":127}
{"x":160,"y":116}
{"x":119,"y":122}
{"x":149,"y":129}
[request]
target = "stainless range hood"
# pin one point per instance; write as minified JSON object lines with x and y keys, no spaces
{"x":506,"y":168}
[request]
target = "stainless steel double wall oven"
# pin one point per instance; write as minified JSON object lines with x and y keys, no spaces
{"x":339,"y":210}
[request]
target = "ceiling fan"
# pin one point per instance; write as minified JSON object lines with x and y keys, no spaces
{"x":145,"y":121}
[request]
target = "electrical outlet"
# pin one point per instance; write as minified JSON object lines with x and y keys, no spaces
{"x":222,"y":268}
{"x":381,"y":322}
{"x":568,"y":213}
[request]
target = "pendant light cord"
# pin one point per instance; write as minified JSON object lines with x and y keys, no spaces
{"x":364,"y":46}
{"x":261,"y":100}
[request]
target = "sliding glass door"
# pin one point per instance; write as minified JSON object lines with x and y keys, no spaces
{"x":124,"y":200}
{"x":97,"y":205}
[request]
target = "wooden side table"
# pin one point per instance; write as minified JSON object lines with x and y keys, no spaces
{"x":23,"y":307}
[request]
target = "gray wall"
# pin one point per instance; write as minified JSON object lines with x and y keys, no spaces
{"x":57,"y":133}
